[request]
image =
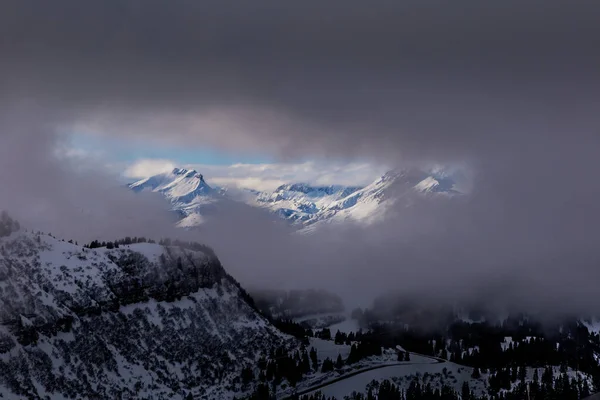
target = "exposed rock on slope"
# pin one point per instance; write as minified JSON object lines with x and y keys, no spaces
{"x":140,"y":321}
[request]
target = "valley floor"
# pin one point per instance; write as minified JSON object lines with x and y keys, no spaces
{"x":356,"y":377}
{"x":427,"y":369}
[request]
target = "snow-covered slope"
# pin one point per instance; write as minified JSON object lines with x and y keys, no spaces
{"x":306,"y":206}
{"x":302,"y":203}
{"x":180,"y":185}
{"x":371,"y":203}
{"x":138,"y":321}
{"x":187,"y":190}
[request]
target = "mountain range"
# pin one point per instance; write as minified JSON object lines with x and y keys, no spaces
{"x":303,"y":205}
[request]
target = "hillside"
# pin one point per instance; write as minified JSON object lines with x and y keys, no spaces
{"x":138,"y":321}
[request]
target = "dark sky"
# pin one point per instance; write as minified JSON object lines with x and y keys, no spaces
{"x":511,"y":88}
{"x":430,"y":78}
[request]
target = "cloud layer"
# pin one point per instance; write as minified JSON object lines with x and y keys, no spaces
{"x":511,"y":88}
{"x":388,"y":80}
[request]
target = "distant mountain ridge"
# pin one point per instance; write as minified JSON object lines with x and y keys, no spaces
{"x":304,"y":205}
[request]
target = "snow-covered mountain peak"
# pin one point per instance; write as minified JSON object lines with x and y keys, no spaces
{"x":300,"y":203}
{"x":179,"y":186}
{"x":188,"y":173}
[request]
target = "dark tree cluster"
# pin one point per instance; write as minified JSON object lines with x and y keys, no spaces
{"x":345,"y":338}
{"x":282,"y":365}
{"x":503,"y":383}
{"x":194,"y":246}
{"x":119,"y":242}
{"x":292,"y":328}
{"x":483,"y":345}
{"x":316,"y":396}
{"x":545,"y":388}
{"x":548,"y":388}
{"x":324,"y":334}
{"x":572,"y":345}
{"x":386,"y":390}
{"x":363,"y":349}
{"x":403,"y":356}
{"x":329,"y":366}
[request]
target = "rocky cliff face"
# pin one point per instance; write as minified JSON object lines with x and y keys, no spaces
{"x":139,"y":321}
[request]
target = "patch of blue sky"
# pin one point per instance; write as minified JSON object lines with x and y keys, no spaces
{"x":130,"y":150}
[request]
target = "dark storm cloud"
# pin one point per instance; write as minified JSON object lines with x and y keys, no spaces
{"x":509,"y":87}
{"x":465,"y":74}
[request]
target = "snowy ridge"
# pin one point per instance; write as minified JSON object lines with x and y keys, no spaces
{"x":301,"y":202}
{"x":303,"y":205}
{"x":371,"y":203}
{"x":137,"y":321}
{"x":184,"y":188}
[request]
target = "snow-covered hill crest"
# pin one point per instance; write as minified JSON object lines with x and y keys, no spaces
{"x":129,"y":322}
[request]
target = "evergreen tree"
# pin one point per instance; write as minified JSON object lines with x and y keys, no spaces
{"x":262,"y":393}
{"x":339,"y":338}
{"x":522,"y":374}
{"x":476,"y":374}
{"x":536,"y":376}
{"x":466,"y":391}
{"x":353,"y":356}
{"x":585,"y":389}
{"x":339,"y":363}
{"x":548,"y":378}
{"x":327,"y":365}
{"x":314,"y":359}
{"x":325,"y":334}
{"x":271,"y":370}
{"x":247,"y":376}
{"x":305,"y":362}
